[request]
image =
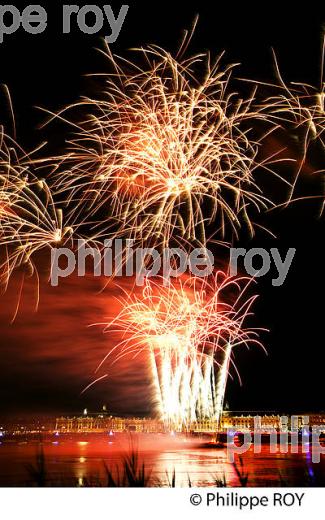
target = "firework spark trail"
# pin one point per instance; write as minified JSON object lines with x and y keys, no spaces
{"x":183,"y":327}
{"x":303,"y":107}
{"x":28,"y":224}
{"x":222,"y":382}
{"x":167,"y":151}
{"x":30,"y":221}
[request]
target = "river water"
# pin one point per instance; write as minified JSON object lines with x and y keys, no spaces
{"x":81,"y":460}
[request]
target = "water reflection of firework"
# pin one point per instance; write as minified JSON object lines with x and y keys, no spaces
{"x":188,"y":329}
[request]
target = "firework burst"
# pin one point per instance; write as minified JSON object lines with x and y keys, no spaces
{"x":29,"y":219}
{"x":188,"y":331}
{"x":168,"y":150}
{"x":301,"y":106}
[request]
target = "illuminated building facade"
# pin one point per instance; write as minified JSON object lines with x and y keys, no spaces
{"x":238,"y":421}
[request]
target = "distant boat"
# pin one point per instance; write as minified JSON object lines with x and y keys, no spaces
{"x":214,"y":445}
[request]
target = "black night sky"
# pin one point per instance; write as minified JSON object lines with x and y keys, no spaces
{"x":49,"y":71}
